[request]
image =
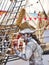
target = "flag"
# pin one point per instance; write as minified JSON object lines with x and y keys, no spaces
{"x":2,"y":12}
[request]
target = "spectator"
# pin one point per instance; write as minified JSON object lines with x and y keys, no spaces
{"x":33,"y":51}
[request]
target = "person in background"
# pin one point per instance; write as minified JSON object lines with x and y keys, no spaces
{"x":33,"y":51}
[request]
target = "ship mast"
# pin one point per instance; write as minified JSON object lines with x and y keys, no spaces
{"x":43,"y":9}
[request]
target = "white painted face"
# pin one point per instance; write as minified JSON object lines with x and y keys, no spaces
{"x":24,"y":36}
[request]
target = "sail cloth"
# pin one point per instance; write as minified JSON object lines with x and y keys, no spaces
{"x":26,"y":25}
{"x":20,"y":17}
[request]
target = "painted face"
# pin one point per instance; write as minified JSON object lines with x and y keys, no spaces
{"x":23,"y":36}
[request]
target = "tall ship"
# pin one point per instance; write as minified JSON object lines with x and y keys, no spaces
{"x":16,"y":15}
